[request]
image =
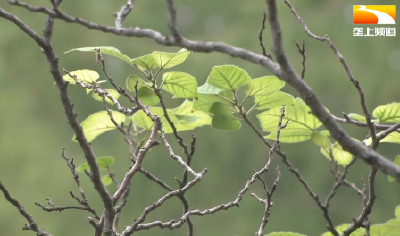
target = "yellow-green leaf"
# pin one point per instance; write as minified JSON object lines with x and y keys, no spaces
{"x":98,"y":123}
{"x":341,"y":156}
{"x":264,"y":86}
{"x":391,"y":179}
{"x":148,"y":96}
{"x":180,"y":84}
{"x":107,"y":180}
{"x":146,"y":61}
{"x":228,"y":77}
{"x":273,"y":100}
{"x":320,"y":140}
{"x":168,"y":60}
{"x":389,"y":113}
{"x":86,"y":76}
{"x":301,"y":122}
{"x":133,"y":79}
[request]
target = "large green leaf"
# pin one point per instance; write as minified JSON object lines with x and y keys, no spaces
{"x":133,"y":79}
{"x":180,"y":84}
{"x":341,"y":156}
{"x":98,"y":123}
{"x":383,"y":230}
{"x":205,"y":101}
{"x":168,"y":60}
{"x":301,"y":122}
{"x":223,"y":119}
{"x":114,"y":93}
{"x":284,"y":234}
{"x":389,"y":113}
{"x":105,"y":50}
{"x":148,"y":96}
{"x":228,"y":77}
{"x":86,"y":76}
{"x":264,"y":86}
{"x":147,"y":61}
{"x":273,"y":100}
{"x":391,"y":179}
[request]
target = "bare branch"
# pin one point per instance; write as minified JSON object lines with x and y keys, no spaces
{"x":302,"y":51}
{"x":123,"y":13}
{"x":260,"y":37}
{"x":172,"y":20}
{"x":367,"y":208}
{"x":31,"y":223}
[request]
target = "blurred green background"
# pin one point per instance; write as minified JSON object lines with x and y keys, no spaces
{"x":34,"y":128}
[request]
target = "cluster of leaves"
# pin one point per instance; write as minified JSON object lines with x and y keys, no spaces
{"x":390,"y":228}
{"x":217,"y":103}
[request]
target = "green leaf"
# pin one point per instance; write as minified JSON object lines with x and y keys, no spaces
{"x":396,"y":223}
{"x":168,"y":60}
{"x":114,"y":93}
{"x":382,"y":230}
{"x":208,"y":89}
{"x":320,"y":140}
{"x":325,"y":133}
{"x":83,"y":167}
{"x":397,"y":212}
{"x":391,"y":179}
{"x":284,"y":234}
{"x":205,"y":101}
{"x":264,"y":86}
{"x":86,"y":76}
{"x":142,"y":120}
{"x":343,"y":227}
{"x":147,"y":61}
{"x":180,"y":84}
{"x":148,"y":96}
{"x":98,"y":123}
{"x":189,"y":119}
{"x":105,"y":50}
{"x":393,"y":137}
{"x":341,"y":156}
{"x":301,"y":122}
{"x":107,"y":180}
{"x":273,"y":100}
{"x":182,"y":117}
{"x":132,"y":80}
{"x":223,"y":118}
{"x":105,"y":161}
{"x":228,"y":77}
{"x":389,"y":113}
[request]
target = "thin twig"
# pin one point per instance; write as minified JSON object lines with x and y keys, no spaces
{"x":123,"y":13}
{"x":260,"y":37}
{"x":31,"y":223}
{"x":302,"y":51}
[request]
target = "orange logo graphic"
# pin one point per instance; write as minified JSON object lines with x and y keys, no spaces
{"x":374,"y":14}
